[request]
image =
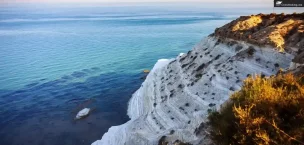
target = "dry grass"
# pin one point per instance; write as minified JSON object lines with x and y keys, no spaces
{"x":265,"y":112}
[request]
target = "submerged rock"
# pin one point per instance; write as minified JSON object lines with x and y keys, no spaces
{"x":146,"y":71}
{"x":82,"y":113}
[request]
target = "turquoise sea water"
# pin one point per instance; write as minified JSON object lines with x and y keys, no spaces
{"x":54,"y":59}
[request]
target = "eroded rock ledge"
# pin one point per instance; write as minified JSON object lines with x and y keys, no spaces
{"x":282,"y":31}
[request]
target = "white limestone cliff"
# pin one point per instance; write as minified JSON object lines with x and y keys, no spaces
{"x":176,"y":96}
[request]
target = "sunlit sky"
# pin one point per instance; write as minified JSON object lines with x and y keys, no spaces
{"x":135,"y":1}
{"x":220,"y":4}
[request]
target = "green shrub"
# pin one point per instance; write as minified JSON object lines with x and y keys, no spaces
{"x":265,"y":111}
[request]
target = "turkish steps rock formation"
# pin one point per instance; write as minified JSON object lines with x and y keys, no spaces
{"x":173,"y":102}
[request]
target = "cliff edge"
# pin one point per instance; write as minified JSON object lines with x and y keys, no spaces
{"x":173,"y":103}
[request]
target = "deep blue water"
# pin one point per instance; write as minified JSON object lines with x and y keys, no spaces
{"x":54,"y":59}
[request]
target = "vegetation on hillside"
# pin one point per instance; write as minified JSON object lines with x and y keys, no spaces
{"x":265,"y":111}
{"x":283,"y":31}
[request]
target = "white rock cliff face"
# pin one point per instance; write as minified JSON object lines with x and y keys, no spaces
{"x":175,"y":98}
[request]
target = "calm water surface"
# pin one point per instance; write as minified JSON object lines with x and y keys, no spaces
{"x":54,"y":59}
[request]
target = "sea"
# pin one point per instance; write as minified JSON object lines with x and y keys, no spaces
{"x":56,"y":59}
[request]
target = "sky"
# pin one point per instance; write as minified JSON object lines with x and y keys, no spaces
{"x":135,"y":1}
{"x":220,"y":4}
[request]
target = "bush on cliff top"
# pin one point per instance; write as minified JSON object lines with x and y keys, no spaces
{"x":265,"y":111}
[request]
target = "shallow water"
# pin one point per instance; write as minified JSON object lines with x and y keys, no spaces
{"x":53,"y":60}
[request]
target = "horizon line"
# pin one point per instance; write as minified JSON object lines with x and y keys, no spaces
{"x":134,"y":2}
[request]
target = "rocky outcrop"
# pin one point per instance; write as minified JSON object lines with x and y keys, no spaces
{"x":297,"y":65}
{"x":172,"y":104}
{"x":285,"y":32}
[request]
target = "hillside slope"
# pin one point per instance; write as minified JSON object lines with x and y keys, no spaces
{"x":173,"y":102}
{"x":282,"y":31}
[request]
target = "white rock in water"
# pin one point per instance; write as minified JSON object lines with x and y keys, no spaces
{"x":82,"y":113}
